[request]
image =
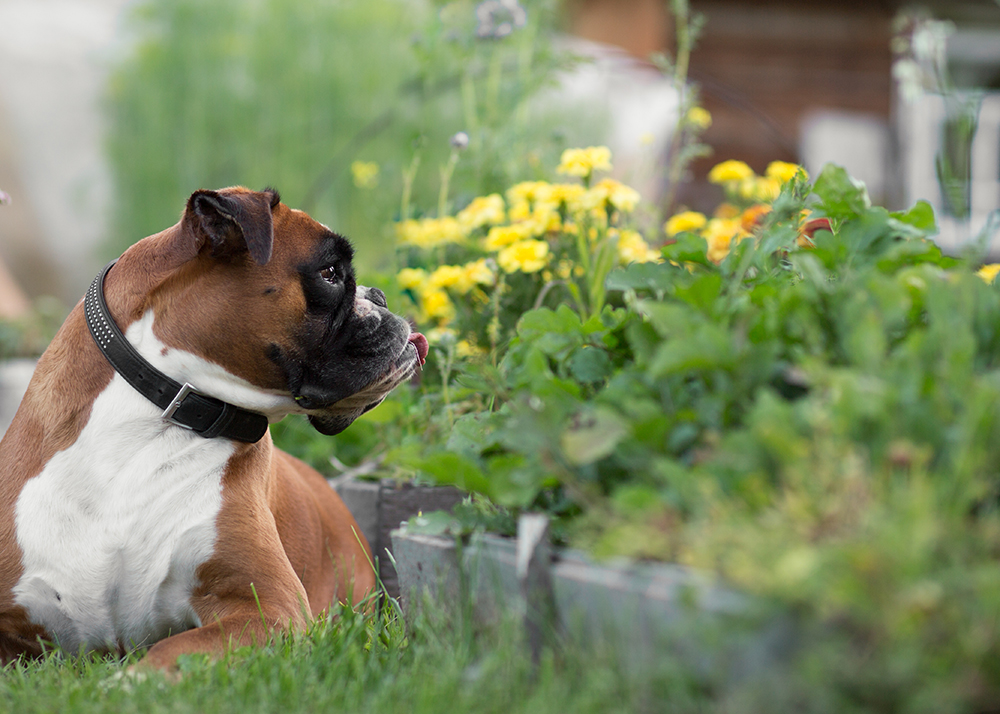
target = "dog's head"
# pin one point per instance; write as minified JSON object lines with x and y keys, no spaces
{"x":269,"y":294}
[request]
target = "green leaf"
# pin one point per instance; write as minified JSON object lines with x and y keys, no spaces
{"x":455,"y":470}
{"x":561,"y":320}
{"x":688,"y":248}
{"x":635,"y":499}
{"x":841,"y":195}
{"x":702,"y":292}
{"x":668,"y":319}
{"x":593,"y":435}
{"x":590,"y":364}
{"x":516,"y":484}
{"x":777,"y":238}
{"x":921,"y":216}
{"x":707,"y":348}
{"x":473,"y":433}
{"x":654,"y":277}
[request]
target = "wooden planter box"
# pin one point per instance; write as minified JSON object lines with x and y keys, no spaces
{"x":643,"y":611}
{"x":381,"y":506}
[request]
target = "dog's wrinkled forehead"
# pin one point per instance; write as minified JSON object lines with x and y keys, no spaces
{"x":322,"y":258}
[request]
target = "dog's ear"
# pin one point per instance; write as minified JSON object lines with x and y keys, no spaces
{"x":232,"y":222}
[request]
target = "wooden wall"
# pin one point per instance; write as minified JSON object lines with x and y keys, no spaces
{"x":763,"y":67}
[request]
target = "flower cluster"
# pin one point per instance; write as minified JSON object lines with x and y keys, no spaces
{"x":748,"y":200}
{"x":471,"y":275}
{"x":744,"y":187}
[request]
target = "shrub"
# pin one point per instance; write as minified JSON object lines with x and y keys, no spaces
{"x":814,"y":415}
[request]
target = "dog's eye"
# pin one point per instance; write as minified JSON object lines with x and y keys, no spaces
{"x":329,"y":274}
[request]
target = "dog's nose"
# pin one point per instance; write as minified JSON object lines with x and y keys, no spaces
{"x":377,"y":297}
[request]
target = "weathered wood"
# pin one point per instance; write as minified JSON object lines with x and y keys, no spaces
{"x":534,"y":571}
{"x":381,"y":506}
{"x":638,"y":611}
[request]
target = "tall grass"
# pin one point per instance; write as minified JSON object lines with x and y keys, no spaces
{"x":289,"y":94}
{"x":354,"y":663}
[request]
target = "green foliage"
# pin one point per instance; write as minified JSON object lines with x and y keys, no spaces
{"x":819,"y":423}
{"x":292,"y":94}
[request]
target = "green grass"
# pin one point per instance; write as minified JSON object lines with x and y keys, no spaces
{"x":355,"y":663}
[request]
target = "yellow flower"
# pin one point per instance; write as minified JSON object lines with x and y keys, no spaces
{"x":365,"y":174}
{"x":622,"y":197}
{"x":633,"y":249}
{"x":686,"y":221}
{"x":478,"y":272}
{"x":528,"y":256}
{"x":730,"y":172}
{"x":543,"y":219}
{"x":528,"y":192}
{"x":429,"y":232}
{"x":436,"y":305}
{"x":719,"y":234}
{"x":467,"y":350}
{"x":460,"y":278}
{"x":699,"y":118}
{"x":503,"y":236}
{"x":783,"y":171}
{"x":483,"y":211}
{"x":568,"y":194}
{"x":760,"y":188}
{"x":519,"y":211}
{"x":411,"y":278}
{"x":989,"y":272}
{"x":445,"y":276}
{"x":590,"y":204}
{"x":584,"y":162}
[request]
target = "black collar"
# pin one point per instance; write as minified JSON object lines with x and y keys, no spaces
{"x":181,"y":404}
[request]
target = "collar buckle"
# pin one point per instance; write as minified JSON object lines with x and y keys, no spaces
{"x":175,"y":404}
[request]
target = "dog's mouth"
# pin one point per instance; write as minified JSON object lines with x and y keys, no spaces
{"x":333,"y":418}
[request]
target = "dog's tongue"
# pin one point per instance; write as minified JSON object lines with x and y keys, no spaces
{"x":420,"y":342}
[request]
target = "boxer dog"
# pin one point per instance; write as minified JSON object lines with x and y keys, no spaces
{"x":142,"y":502}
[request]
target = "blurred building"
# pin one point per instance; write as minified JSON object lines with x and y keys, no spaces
{"x":810,"y":81}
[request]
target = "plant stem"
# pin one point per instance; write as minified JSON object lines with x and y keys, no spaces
{"x":409,"y":174}
{"x":685,"y":42}
{"x":446,"y":171}
{"x":493,"y":331}
{"x":469,"y":106}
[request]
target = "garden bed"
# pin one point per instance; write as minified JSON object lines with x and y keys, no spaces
{"x":646,"y":613}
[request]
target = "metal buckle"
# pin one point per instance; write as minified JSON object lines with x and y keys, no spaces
{"x":175,"y":403}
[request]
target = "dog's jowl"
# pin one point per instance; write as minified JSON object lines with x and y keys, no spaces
{"x":142,"y":502}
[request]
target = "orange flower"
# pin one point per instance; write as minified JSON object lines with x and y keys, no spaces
{"x":753,"y":217}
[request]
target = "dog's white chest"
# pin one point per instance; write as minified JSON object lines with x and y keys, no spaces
{"x":114,"y":528}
